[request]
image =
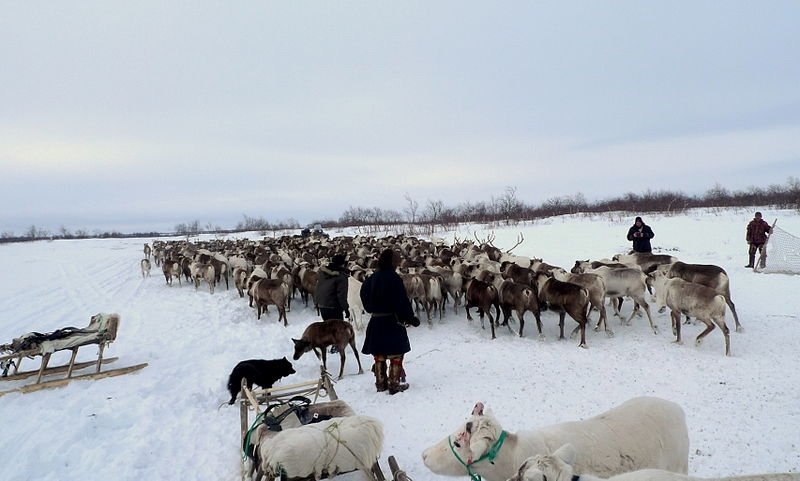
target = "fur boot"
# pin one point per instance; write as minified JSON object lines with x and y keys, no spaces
{"x":379,"y":369}
{"x":395,"y":375}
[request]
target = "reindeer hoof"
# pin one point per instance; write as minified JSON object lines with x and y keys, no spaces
{"x":583,"y":346}
{"x":542,"y":337}
{"x":610,"y":333}
{"x":740,"y":329}
{"x":596,"y":328}
{"x":655,"y":331}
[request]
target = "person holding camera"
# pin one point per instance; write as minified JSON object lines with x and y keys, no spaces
{"x":640,"y":233}
{"x":384,"y":297}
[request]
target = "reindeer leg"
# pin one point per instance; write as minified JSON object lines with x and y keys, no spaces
{"x":341,"y":358}
{"x":725,"y":332}
{"x":646,"y":308}
{"x":355,"y":351}
{"x":709,"y":328}
{"x":323,"y":352}
{"x":739,"y":327}
{"x":676,"y":325}
{"x":561,"y":325}
{"x":491,"y":321}
{"x":538,"y":317}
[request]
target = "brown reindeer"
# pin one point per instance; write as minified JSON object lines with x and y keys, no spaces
{"x":308,"y":285}
{"x":482,"y":295}
{"x":521,"y":298}
{"x":171,"y":269}
{"x":565,"y":298}
{"x":319,"y":335}
{"x":270,"y":291}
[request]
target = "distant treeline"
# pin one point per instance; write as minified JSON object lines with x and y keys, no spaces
{"x":505,"y":208}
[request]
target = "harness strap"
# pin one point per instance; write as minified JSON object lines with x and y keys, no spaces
{"x":491,"y":454}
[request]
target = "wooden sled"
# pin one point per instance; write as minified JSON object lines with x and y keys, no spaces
{"x":259,"y":401}
{"x":102,"y":330}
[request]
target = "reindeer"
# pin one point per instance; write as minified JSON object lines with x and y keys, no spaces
{"x":319,"y":335}
{"x":565,"y":298}
{"x":270,"y":291}
{"x":171,"y":269}
{"x":482,"y":295}
{"x":203,"y":271}
{"x":596,"y":287}
{"x":521,"y":298}
{"x":145,"y":266}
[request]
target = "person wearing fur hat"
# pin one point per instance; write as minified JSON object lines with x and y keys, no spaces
{"x":385,"y":298}
{"x":640,"y":233}
{"x":757,"y":234}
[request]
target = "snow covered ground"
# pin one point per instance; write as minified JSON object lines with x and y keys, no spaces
{"x":163,"y":422}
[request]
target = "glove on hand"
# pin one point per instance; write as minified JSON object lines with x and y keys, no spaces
{"x":347,"y":314}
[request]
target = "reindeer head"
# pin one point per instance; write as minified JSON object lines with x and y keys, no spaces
{"x":548,"y":467}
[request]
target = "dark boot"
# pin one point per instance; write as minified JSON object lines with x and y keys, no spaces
{"x":379,"y":369}
{"x":395,"y":373}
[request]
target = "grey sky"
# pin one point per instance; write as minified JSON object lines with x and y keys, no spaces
{"x":141,"y":115}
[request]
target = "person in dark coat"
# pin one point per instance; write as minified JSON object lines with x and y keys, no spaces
{"x":384,"y":297}
{"x":331,"y":292}
{"x":640,"y":233}
{"x":757,"y":233}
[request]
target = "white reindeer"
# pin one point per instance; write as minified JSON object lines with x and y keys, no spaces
{"x":145,"y":266}
{"x":559,"y":466}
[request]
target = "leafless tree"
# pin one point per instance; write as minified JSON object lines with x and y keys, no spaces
{"x":411,"y":208}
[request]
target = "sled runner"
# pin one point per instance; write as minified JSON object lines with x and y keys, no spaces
{"x":283,"y":413}
{"x":102,"y":330}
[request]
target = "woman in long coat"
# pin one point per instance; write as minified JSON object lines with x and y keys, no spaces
{"x":384,"y":297}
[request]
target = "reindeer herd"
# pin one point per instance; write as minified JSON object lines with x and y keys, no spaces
{"x":473,"y":274}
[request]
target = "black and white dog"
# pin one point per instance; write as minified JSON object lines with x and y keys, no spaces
{"x":258,"y":371}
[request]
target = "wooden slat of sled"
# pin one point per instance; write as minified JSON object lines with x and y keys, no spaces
{"x":63,"y":382}
{"x":55,"y":369}
{"x":280,"y":390}
{"x":397,"y":473}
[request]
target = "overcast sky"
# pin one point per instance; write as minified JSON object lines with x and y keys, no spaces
{"x":141,"y":115}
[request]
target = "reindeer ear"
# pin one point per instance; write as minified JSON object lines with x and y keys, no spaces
{"x":566,"y":453}
{"x":478,"y":409}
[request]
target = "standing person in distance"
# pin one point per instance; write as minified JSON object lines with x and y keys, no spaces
{"x":757,"y":234}
{"x":331,"y":292}
{"x":640,"y":233}
{"x":384,"y":297}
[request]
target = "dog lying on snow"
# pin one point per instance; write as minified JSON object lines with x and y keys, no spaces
{"x":258,"y":371}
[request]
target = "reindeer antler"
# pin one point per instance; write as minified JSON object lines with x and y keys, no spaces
{"x":520,"y":238}
{"x":487,"y":240}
